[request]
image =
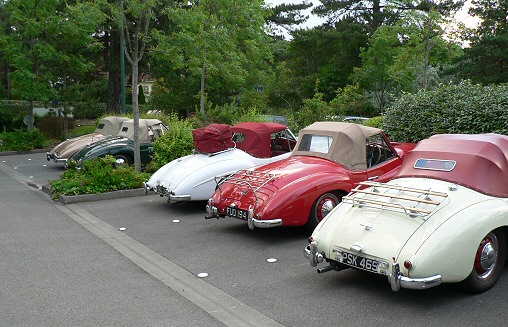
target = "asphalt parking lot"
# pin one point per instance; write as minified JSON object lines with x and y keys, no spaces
{"x":136,"y":261}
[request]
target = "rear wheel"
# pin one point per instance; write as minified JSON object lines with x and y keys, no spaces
{"x":321,"y":207}
{"x":488,"y":262}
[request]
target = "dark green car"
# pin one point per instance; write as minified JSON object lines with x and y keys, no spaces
{"x":121,"y":146}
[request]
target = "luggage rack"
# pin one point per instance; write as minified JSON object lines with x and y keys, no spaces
{"x":251,"y":179}
{"x":421,"y":197}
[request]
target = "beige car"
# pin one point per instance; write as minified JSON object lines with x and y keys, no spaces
{"x":107,"y":126}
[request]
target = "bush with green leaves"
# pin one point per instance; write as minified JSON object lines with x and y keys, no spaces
{"x":98,"y":175}
{"x":20,"y":140}
{"x":175,"y":144}
{"x":463,"y":108}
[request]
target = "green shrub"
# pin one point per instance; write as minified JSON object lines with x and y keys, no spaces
{"x":375,"y":122}
{"x":463,"y":108}
{"x":175,"y":144}
{"x":97,"y":176}
{"x":23,"y":141}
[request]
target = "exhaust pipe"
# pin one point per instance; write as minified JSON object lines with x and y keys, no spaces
{"x":324,"y":269}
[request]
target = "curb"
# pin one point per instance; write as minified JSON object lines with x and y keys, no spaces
{"x":68,"y":199}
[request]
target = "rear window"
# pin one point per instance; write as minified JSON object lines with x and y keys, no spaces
{"x":315,"y":143}
{"x":435,"y":164}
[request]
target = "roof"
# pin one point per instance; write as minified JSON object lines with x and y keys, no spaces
{"x":348,"y":147}
{"x":110,"y":125}
{"x":481,"y":161}
{"x":127,"y":129}
{"x":257,"y":137}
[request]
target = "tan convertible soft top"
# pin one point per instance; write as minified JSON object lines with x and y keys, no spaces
{"x":127,"y":129}
{"x":349,"y":143}
{"x":110,"y":125}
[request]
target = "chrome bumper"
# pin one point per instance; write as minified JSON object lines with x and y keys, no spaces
{"x":163,"y":191}
{"x":59,"y":160}
{"x":213,"y":212}
{"x":398,"y":281}
{"x":310,"y":252}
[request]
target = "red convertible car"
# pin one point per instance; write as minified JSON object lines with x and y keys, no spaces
{"x":329,"y":160}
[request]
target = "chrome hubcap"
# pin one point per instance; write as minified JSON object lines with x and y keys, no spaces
{"x":486,"y":256}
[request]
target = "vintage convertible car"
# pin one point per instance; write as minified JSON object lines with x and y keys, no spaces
{"x":121,"y":146}
{"x":330,"y":159}
{"x":442,"y":219}
{"x":193,"y":177}
{"x":107,"y":126}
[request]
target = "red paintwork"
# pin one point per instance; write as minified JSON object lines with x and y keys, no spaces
{"x":299,"y":181}
{"x":482,"y":161}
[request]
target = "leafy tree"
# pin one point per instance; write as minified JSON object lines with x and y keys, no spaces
{"x":486,"y":59}
{"x":375,"y":13}
{"x":222,"y":42}
{"x":325,"y":54}
{"x":287,"y":16}
{"x":45,"y":46}
{"x":405,"y":57}
{"x":134,"y":18}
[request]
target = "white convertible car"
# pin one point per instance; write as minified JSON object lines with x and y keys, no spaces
{"x":442,"y":219}
{"x":194,"y":177}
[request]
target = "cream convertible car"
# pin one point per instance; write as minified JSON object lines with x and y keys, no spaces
{"x":194,"y":177}
{"x":442,"y":219}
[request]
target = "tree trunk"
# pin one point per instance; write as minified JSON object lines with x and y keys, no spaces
{"x":111,"y":55}
{"x":135,"y":110}
{"x":203,"y":79}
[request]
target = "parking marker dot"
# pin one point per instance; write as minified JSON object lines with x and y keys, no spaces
{"x":176,"y":221}
{"x":202,"y":275}
{"x":271,"y":260}
{"x":122,"y":228}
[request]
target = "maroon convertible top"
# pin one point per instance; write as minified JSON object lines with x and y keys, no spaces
{"x":481,"y":161}
{"x":256,"y":137}
{"x":212,"y":138}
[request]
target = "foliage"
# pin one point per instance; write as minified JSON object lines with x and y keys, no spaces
{"x":45,"y":45}
{"x":453,"y":108}
{"x":175,"y":144}
{"x":89,"y":110}
{"x":12,"y":113}
{"x":349,"y":101}
{"x":19,"y":140}
{"x":315,"y":109}
{"x":96,"y":176}
{"x":219,"y":45}
{"x":486,"y":58}
{"x":404,"y":57}
{"x":328,"y":55}
{"x":375,"y":122}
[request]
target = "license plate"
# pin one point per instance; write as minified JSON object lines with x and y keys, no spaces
{"x":359,"y":262}
{"x":236,"y":213}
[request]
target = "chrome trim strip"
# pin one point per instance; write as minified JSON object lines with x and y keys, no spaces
{"x":179,"y":197}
